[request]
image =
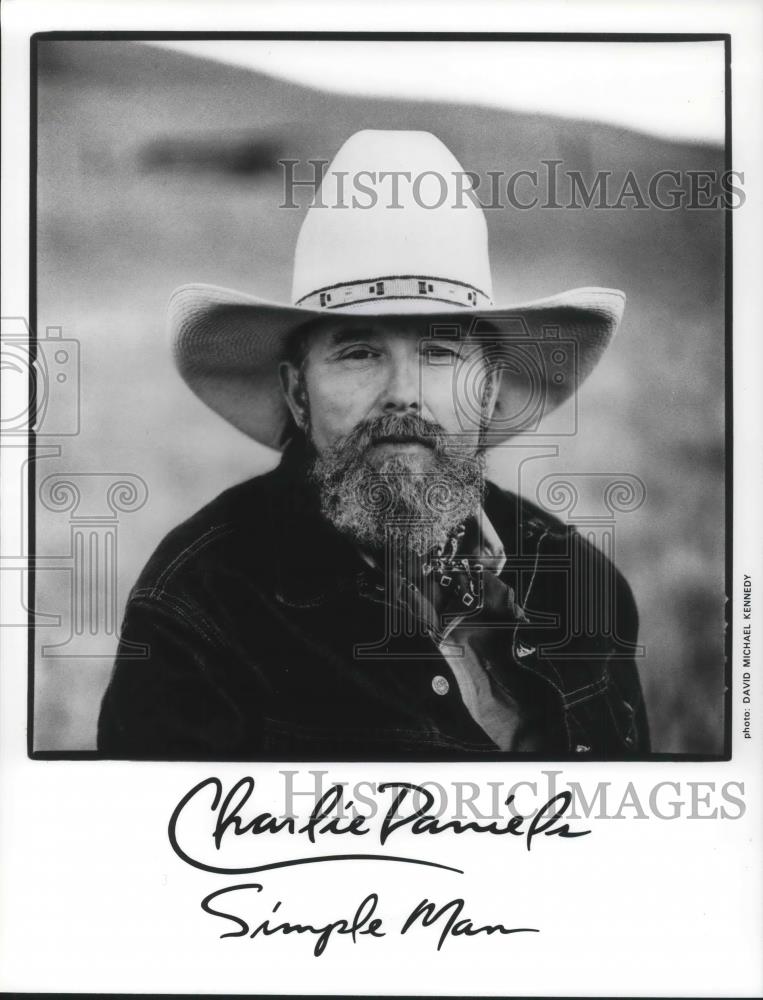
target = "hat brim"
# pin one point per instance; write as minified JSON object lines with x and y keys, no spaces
{"x":227,"y":346}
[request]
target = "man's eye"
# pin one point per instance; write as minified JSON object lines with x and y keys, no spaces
{"x":440,"y":355}
{"x":358,"y":354}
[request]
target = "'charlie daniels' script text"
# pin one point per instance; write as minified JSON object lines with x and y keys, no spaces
{"x":233,"y":816}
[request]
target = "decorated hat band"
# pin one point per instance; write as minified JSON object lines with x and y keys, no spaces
{"x":406,"y":286}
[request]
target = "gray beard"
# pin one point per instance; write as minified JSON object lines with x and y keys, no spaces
{"x":395,"y":502}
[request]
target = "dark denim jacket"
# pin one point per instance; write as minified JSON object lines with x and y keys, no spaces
{"x":256,"y":632}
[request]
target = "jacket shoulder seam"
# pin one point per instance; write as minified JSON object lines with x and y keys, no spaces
{"x":192,"y":549}
{"x":190,"y":614}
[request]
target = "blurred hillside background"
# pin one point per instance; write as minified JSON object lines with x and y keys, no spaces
{"x":158,"y":168}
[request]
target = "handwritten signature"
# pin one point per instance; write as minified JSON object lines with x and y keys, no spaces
{"x":447,"y":918}
{"x":230,"y":818}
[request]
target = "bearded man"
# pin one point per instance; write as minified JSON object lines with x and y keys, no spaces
{"x":375,"y":597}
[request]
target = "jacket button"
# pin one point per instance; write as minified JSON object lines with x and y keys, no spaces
{"x":440,"y":684}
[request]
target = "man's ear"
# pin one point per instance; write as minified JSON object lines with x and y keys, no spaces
{"x":293,"y":388}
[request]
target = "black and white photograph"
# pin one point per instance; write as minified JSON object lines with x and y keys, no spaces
{"x":380,"y":546}
{"x":401,"y":422}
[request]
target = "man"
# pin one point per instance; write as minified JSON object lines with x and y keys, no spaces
{"x":374,"y":596}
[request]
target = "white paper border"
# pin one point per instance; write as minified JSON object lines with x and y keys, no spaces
{"x":92,"y":898}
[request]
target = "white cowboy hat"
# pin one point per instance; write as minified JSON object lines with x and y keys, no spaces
{"x":366,"y":248}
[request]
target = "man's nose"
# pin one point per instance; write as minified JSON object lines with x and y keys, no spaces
{"x":402,"y":391}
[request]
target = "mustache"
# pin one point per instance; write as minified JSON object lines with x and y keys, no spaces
{"x":406,"y":427}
